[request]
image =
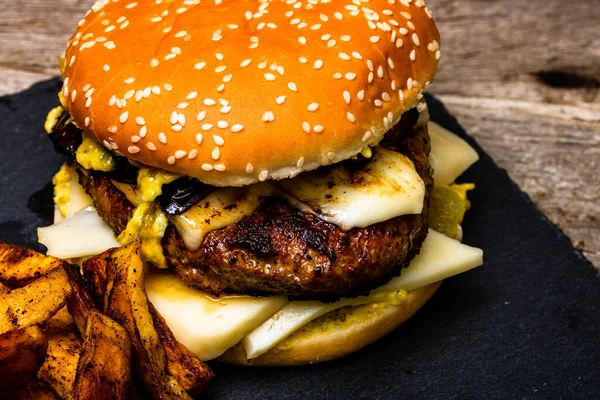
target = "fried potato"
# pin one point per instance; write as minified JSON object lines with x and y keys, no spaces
{"x":19,"y":266}
{"x":94,"y":276}
{"x":80,"y":304}
{"x":126,"y":302}
{"x":22,"y":352}
{"x":38,"y":390}
{"x":103,"y":370}
{"x":4,"y":289}
{"x":35,"y":303}
{"x":61,"y":321}
{"x":193,"y":374}
{"x":60,"y":367}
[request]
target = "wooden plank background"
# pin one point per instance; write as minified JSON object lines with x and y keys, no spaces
{"x":523,"y":77}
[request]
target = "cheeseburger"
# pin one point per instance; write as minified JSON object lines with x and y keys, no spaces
{"x":276,"y":161}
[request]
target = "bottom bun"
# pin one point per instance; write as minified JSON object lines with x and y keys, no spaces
{"x":337,"y":333}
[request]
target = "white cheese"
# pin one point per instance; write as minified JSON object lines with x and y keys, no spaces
{"x":387,"y":187}
{"x":79,"y":198}
{"x":82,"y":235}
{"x":440,"y":258}
{"x":222,"y":207}
{"x":207,"y":326}
{"x":450,"y":155}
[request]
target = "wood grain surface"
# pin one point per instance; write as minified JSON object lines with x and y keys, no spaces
{"x":523,"y":77}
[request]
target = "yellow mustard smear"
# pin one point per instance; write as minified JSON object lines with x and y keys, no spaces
{"x":149,"y":222}
{"x":52,"y":118}
{"x":62,"y":188}
{"x":92,"y":155}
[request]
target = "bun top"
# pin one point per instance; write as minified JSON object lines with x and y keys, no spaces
{"x":233,"y":92}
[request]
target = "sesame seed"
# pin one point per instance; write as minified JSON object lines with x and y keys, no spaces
{"x":209,"y":102}
{"x":179,"y":154}
{"x":249,"y":168}
{"x":183,"y":105}
{"x":225,"y":109}
{"x":312,"y":107}
{"x":216,"y":153}
{"x":133,"y":149}
{"x":300,"y":162}
{"x":222,"y":124}
{"x":176,"y":128}
{"x":350,"y":76}
{"x":106,"y":68}
{"x":219,"y":141}
{"x":263,"y":175}
{"x":370,"y":65}
{"x":331,"y":155}
{"x":401,"y":95}
{"x":135,"y":138}
{"x":292,"y":87}
{"x":207,"y":127}
{"x":302,"y":60}
{"x":181,"y":119}
{"x":192,"y":95}
{"x":269,"y":77}
{"x":245,"y":63}
{"x":280,"y":100}
{"x":318,"y":64}
{"x":140,"y":121}
{"x":306,"y":127}
{"x":171,"y":160}
{"x":199,"y":138}
{"x":357,"y":55}
{"x":88,"y":102}
{"x":366,"y":136}
{"x":318,"y":128}
{"x":173,"y":118}
{"x":403,"y":31}
{"x":162,"y":138}
{"x":361,"y":95}
{"x":168,"y":87}
{"x":351,"y":117}
{"x":374,"y":39}
{"x":87,"y":121}
{"x":415,"y":39}
{"x":409,"y":83}
{"x":219,"y":56}
{"x":123,"y":117}
{"x":207,"y":167}
{"x":377,"y":103}
{"x":143,"y":131}
{"x":192,"y":154}
{"x":220,"y":68}
{"x":262,"y":65}
{"x":347,"y":96}
{"x":344,"y":56}
{"x":220,"y":167}
{"x":200,"y":65}
{"x":337,"y":75}
{"x":380,"y":71}
{"x":112,"y":129}
{"x":385,"y":96}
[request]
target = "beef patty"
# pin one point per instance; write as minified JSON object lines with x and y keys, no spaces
{"x":279,"y":250}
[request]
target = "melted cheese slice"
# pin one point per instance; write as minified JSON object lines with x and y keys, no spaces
{"x":207,"y":326}
{"x":387,"y":187}
{"x":450,"y":155}
{"x":223,"y":207}
{"x":82,"y":235}
{"x":441,"y":257}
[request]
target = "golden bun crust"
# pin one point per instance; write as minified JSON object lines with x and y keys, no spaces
{"x":232,"y":92}
{"x":329,"y":337}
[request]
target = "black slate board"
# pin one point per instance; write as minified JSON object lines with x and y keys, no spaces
{"x":525,"y":325}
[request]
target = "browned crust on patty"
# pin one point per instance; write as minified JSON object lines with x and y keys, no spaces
{"x":279,"y":250}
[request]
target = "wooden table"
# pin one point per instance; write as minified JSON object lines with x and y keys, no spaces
{"x":523,"y":77}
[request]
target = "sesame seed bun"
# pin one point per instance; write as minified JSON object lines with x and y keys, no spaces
{"x":336,"y":334}
{"x":233,"y":93}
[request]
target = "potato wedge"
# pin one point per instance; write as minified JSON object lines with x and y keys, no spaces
{"x":35,"y":303}
{"x":94,"y":276}
{"x":61,"y":321}
{"x":80,"y":304}
{"x":4,"y":289}
{"x":191,"y":372}
{"x":22,"y":352}
{"x":103,"y":371}
{"x":19,"y":266}
{"x":126,"y":302}
{"x":38,"y":390}
{"x":60,"y":366}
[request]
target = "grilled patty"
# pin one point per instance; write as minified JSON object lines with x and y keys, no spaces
{"x":279,"y":250}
